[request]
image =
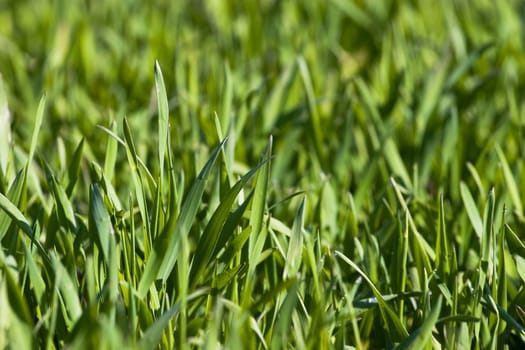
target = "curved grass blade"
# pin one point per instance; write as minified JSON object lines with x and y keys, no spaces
{"x":15,"y":215}
{"x":13,"y":196}
{"x":395,"y":328}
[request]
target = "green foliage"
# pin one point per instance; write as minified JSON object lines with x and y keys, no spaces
{"x":299,"y":174}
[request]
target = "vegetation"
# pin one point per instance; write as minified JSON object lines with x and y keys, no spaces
{"x":262,"y":174}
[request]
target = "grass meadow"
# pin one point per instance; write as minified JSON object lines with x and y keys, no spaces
{"x":262,"y":174}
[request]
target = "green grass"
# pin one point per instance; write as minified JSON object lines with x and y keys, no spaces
{"x":262,"y":174}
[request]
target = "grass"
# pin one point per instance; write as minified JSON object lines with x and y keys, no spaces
{"x":262,"y":175}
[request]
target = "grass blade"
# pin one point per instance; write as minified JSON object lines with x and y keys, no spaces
{"x":295,"y":247}
{"x":395,"y":328}
{"x":420,"y":338}
{"x":166,"y":248}
{"x":163,"y":110}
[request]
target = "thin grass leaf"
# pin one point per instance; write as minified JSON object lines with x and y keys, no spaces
{"x":443,"y":248}
{"x":110,"y":157}
{"x":395,"y":328}
{"x":103,"y":229}
{"x":512,"y":187}
{"x":295,"y":246}
{"x":136,"y":177}
{"x":163,"y":111}
{"x":472,"y":210}
{"x":66,"y":214}
{"x":74,"y":168}
{"x":36,"y":130}
{"x":5,"y":130}
{"x":259,"y":199}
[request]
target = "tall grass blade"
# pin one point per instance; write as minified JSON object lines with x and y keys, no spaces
{"x":166,"y":247}
{"x":295,"y":246}
{"x":163,"y":111}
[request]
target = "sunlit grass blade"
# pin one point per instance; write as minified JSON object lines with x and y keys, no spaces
{"x":295,"y":246}
{"x":165,"y":251}
{"x":5,"y":130}
{"x":163,"y":111}
{"x":212,"y":233}
{"x":512,"y":187}
{"x":36,"y":130}
{"x":65,"y":211}
{"x":443,"y":246}
{"x":110,"y":157}
{"x":136,"y":177}
{"x":472,"y":210}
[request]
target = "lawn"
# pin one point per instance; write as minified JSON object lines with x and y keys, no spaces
{"x":262,"y":174}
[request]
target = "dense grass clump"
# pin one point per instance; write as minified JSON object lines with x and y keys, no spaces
{"x":262,"y":174}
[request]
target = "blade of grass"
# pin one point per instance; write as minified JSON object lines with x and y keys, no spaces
{"x":164,"y":254}
{"x":420,"y":338}
{"x":5,"y":130}
{"x":211,"y":235}
{"x":512,"y":187}
{"x":395,"y":328}
{"x":472,"y":210}
{"x":295,"y":246}
{"x":163,"y":111}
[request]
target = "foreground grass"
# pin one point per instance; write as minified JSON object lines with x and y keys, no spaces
{"x":352,"y":178}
